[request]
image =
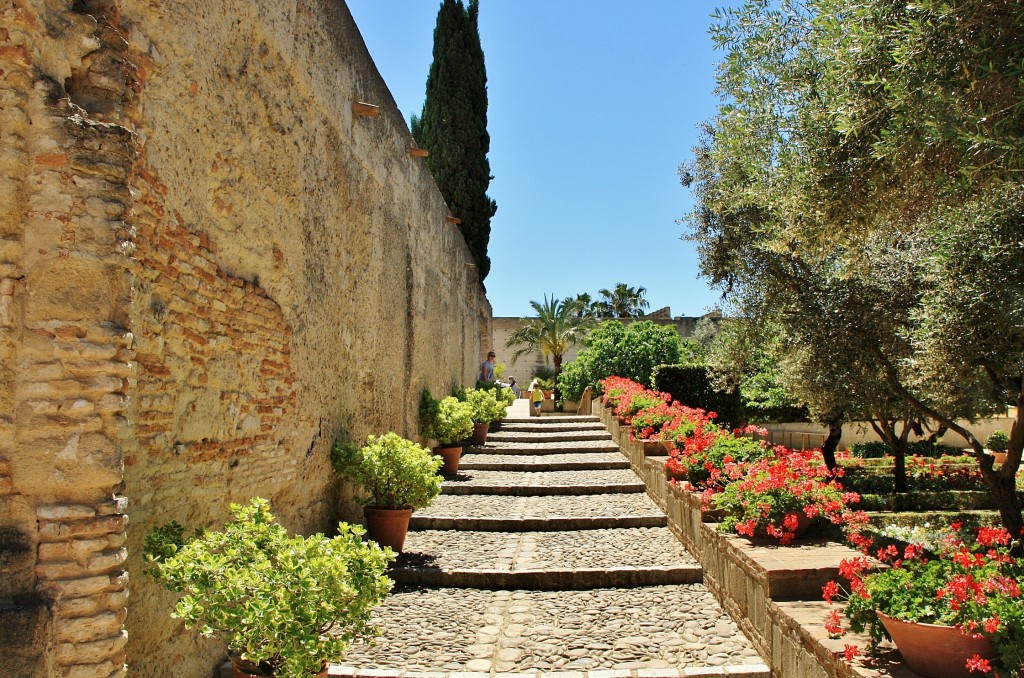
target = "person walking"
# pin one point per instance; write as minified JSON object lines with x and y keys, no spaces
{"x":487,"y":368}
{"x":537,"y":396}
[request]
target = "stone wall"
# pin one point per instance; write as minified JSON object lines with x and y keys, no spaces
{"x":210,"y":268}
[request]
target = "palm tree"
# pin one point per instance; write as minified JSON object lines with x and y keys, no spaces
{"x":624,"y":301}
{"x":559,"y":325}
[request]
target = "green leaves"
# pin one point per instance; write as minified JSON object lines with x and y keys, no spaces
{"x":630,"y":351}
{"x":396,"y":472}
{"x":453,"y":125}
{"x":273,"y":598}
{"x":451,"y":421}
{"x":485,"y":404}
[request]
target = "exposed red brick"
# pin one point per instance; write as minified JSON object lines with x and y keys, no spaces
{"x":50,"y":160}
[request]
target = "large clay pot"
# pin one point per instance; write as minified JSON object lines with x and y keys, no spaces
{"x":388,"y":527}
{"x":244,"y":669}
{"x":450,"y":455}
{"x":480,"y":433}
{"x":936,"y":651}
{"x":242,"y":673}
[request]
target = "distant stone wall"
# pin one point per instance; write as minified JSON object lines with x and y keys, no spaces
{"x":209,"y":269}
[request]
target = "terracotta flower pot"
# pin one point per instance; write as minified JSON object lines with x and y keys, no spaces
{"x":450,"y":455}
{"x":936,"y":651}
{"x":388,"y":527}
{"x":242,"y":673}
{"x":480,"y":433}
{"x":244,"y":669}
{"x":669,"y":446}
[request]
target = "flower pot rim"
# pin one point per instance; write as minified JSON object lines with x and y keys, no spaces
{"x":929,"y":624}
{"x":374,"y":507}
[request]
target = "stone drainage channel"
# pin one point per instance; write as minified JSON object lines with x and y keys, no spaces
{"x":545,"y":557}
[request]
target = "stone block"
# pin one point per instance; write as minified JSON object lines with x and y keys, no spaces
{"x":100,"y":526}
{"x":93,"y":652}
{"x":65,"y":512}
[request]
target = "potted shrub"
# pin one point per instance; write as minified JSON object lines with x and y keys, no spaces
{"x":950,"y":614}
{"x":285,"y":606}
{"x":398,"y":475}
{"x":779,"y":496}
{"x":449,"y":422}
{"x":998,"y":443}
{"x":486,"y":408}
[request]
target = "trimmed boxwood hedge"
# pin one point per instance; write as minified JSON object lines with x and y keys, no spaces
{"x":691,"y":386}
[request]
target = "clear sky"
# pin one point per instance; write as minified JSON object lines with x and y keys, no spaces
{"x":592,"y":105}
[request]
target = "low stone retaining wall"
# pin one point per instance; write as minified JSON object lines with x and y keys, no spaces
{"x":773,"y":592}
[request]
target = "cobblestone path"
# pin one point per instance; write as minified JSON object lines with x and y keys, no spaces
{"x":546,"y":558}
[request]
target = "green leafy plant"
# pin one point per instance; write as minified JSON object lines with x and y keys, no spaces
{"x":450,"y":421}
{"x":972,"y":584}
{"x":998,"y":441}
{"x":774,"y":495}
{"x":485,"y":404}
{"x":285,"y":606}
{"x":396,"y":472}
{"x":613,"y":349}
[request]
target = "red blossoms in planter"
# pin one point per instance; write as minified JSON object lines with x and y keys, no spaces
{"x":773,"y":496}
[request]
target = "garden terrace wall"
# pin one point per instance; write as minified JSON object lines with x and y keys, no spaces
{"x":773,"y":593}
{"x":210,"y":267}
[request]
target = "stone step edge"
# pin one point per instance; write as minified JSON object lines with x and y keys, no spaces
{"x":523,"y":437}
{"x":570,"y":419}
{"x":550,"y":429}
{"x":565,"y":579}
{"x":543,"y":490}
{"x":540,"y":467}
{"x":759,"y":670}
{"x":536,"y":524}
{"x":610,"y":448}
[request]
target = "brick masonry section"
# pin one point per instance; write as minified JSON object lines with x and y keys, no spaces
{"x":209,"y":271}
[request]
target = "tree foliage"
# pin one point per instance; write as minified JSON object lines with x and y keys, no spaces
{"x":453,"y":125}
{"x":860,"y":190}
{"x":614,"y":349}
{"x":559,"y":326}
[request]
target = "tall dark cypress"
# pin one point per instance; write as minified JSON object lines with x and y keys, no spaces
{"x":453,"y":125}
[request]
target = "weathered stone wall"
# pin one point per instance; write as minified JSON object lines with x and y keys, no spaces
{"x":209,"y":269}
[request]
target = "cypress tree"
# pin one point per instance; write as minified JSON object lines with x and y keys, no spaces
{"x":453,"y":125}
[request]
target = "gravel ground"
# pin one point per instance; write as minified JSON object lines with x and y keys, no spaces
{"x":540,"y":460}
{"x":542,"y":478}
{"x":464,"y":550}
{"x":473,"y":630}
{"x":603,"y":445}
{"x":546,"y":436}
{"x":511,"y":508}
{"x":546,"y":427}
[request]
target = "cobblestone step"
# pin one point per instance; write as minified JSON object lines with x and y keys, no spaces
{"x":548,"y":437}
{"x":545,"y":513}
{"x":545,"y":557}
{"x":661,"y":631}
{"x":536,"y":448}
{"x":548,"y":561}
{"x":552,"y":419}
{"x":547,"y":462}
{"x":517,"y":483}
{"x":504,"y":427}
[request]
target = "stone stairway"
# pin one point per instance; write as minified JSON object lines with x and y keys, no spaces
{"x":546,"y":557}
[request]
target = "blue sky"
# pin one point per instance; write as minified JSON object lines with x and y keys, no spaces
{"x":593,"y":104}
